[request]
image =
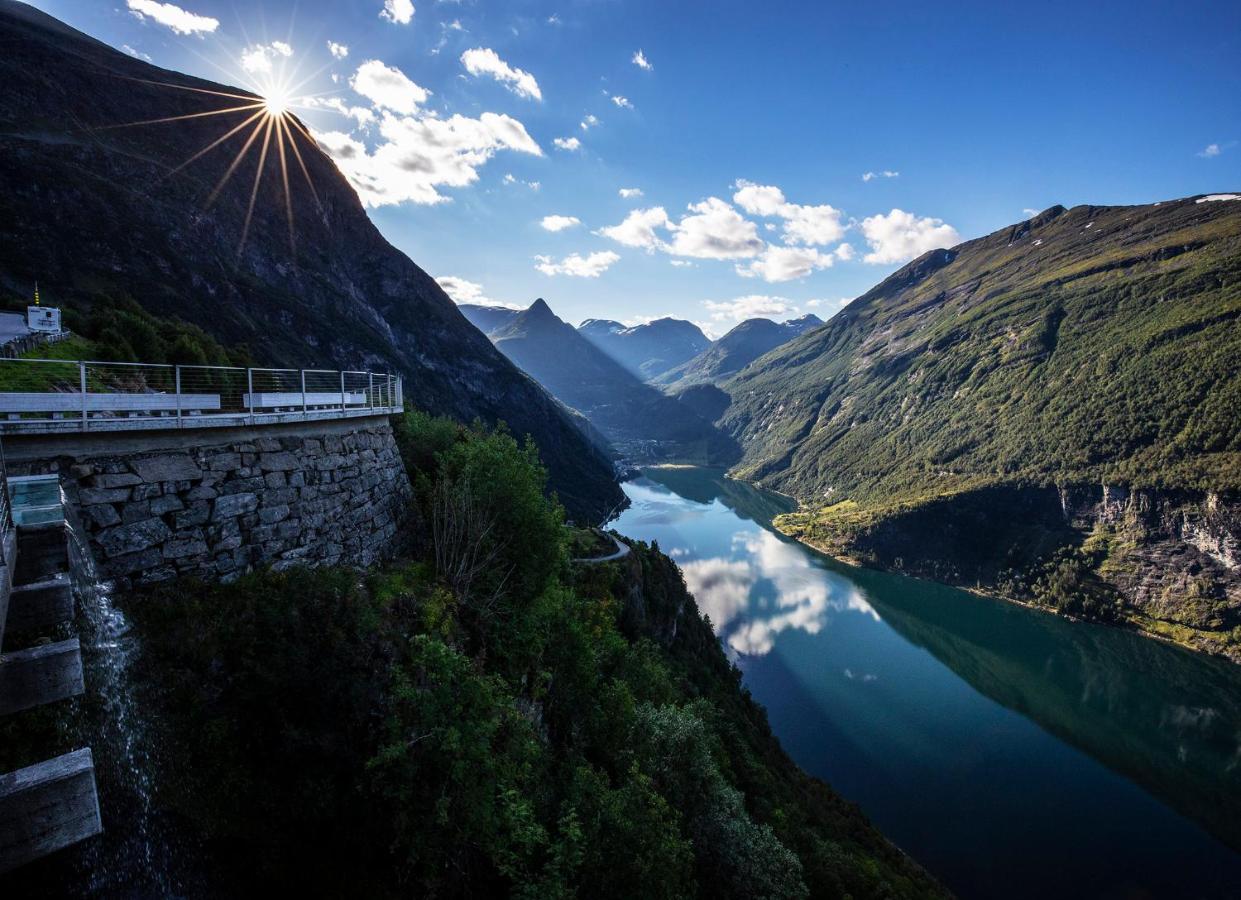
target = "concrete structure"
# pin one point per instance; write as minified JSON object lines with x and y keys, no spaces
{"x":46,"y":807}
{"x":51,"y":804}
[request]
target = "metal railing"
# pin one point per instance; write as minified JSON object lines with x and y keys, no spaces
{"x":61,"y":395}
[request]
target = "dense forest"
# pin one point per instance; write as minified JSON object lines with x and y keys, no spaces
{"x":481,"y":717}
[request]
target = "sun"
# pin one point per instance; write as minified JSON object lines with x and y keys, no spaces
{"x":276,"y":103}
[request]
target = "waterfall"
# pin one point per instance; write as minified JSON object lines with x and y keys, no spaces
{"x":133,"y":857}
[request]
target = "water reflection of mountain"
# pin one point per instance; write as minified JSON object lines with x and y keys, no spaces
{"x":1163,"y":717}
{"x":1134,"y":705}
{"x":704,"y":485}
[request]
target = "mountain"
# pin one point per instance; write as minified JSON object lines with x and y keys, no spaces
{"x":647,"y":350}
{"x":639,"y":420}
{"x":737,"y":349}
{"x":99,"y":212}
{"x":1052,"y":412}
{"x":488,"y":318}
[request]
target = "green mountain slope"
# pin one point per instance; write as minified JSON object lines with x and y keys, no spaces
{"x":1084,"y":347}
{"x":105,"y":217}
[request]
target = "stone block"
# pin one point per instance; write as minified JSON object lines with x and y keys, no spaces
{"x":147,"y":491}
{"x":126,"y":539}
{"x":201,"y":492}
{"x":232,"y":505}
{"x":284,"y":461}
{"x":102,"y":515}
{"x":124,"y":479}
{"x":176,"y":549}
{"x":166,"y":504}
{"x":166,"y":467}
{"x":196,"y":513}
{"x":224,"y":462}
{"x":270,"y":514}
{"x":92,"y":496}
{"x":136,"y":512}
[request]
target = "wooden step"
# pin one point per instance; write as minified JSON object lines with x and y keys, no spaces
{"x":40,"y":605}
{"x":46,"y":807}
{"x":39,"y":675}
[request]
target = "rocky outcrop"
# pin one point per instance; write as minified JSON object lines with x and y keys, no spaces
{"x":1165,"y":561}
{"x":328,"y":494}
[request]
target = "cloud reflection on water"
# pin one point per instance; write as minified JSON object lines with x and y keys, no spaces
{"x":766,"y":587}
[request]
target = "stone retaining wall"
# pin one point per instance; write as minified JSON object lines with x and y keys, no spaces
{"x":314,"y":494}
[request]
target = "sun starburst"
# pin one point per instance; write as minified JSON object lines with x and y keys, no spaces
{"x":267,"y":123}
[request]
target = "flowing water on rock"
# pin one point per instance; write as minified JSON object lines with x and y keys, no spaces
{"x":133,"y":856}
{"x":1013,"y":753}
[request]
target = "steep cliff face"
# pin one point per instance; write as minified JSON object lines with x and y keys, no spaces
{"x":103,"y":212}
{"x":1164,"y":561}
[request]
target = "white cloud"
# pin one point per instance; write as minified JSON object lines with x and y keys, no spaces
{"x":559,"y":223}
{"x":553,"y":19}
{"x":569,"y":143}
{"x":136,"y":54}
{"x":1211,"y":150}
{"x":259,"y":57}
{"x":751,"y":306}
{"x":589,"y":122}
{"x":485,"y":61}
{"x":388,"y":87}
{"x":509,"y":178}
{"x":630,"y":193}
{"x":462,"y":291}
{"x":179,"y":20}
{"x":639,"y":229}
{"x":899,"y":236}
{"x":416,"y":154}
{"x":591,"y":266}
{"x":810,"y":225}
{"x":400,"y":12}
{"x":622,"y":102}
{"x":681,"y":263}
{"x":340,"y":51}
{"x":844,"y":252}
{"x":714,"y":231}
{"x":886,"y":173}
{"x":363,"y":115}
{"x":711,"y":230}
{"x":778,"y":264}
{"x":640,"y":60}
{"x":830,"y":305}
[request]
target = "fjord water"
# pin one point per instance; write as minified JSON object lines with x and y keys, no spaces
{"x":1012,"y":753}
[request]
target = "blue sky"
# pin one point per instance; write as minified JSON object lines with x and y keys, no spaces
{"x":747,"y":128}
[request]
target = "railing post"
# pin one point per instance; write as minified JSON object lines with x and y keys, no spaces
{"x":370,"y":389}
{"x":342,"y":391}
{"x":178,"y":390}
{"x":305,"y":408}
{"x":82,"y":378}
{"x":250,"y":393}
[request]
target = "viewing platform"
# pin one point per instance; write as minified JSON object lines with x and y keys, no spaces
{"x":44,"y":396}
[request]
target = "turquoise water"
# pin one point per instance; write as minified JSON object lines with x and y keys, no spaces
{"x":1014,"y":754}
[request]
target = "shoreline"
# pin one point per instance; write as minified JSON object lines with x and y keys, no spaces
{"x":1128,"y":623}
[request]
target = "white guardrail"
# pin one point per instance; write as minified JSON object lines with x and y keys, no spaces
{"x":42,"y":395}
